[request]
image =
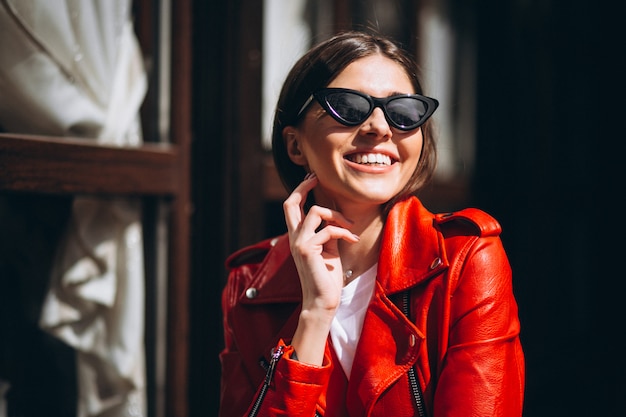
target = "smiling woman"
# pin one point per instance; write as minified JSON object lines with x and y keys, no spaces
{"x":369,"y":304}
{"x":345,"y":184}
{"x":368,"y":136}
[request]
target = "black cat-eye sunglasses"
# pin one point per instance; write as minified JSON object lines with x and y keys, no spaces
{"x":351,"y":107}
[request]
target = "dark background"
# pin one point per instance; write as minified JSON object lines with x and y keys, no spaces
{"x":550,"y":168}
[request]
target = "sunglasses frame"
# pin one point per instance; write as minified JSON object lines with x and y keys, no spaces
{"x":320,"y":96}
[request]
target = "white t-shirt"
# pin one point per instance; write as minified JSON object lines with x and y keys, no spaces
{"x":345,"y":329}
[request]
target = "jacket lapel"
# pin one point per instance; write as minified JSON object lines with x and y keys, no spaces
{"x":388,"y":347}
{"x":412,"y":248}
{"x":276,"y":280}
{"x":412,"y":251}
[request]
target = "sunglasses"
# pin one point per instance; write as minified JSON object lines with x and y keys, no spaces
{"x":351,"y":107}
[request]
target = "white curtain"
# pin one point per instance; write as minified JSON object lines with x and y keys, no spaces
{"x":74,"y":68}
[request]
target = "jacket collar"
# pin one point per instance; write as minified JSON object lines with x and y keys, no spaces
{"x":276,"y":280}
{"x":412,"y":247}
{"x":412,"y":251}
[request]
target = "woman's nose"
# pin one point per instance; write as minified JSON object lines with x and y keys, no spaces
{"x":376,"y":125}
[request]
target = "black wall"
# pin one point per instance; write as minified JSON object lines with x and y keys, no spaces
{"x":549,"y":167}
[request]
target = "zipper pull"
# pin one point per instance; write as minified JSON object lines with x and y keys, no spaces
{"x":277,"y":353}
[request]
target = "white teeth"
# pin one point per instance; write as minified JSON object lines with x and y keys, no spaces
{"x":372,"y":158}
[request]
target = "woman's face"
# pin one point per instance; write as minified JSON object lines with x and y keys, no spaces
{"x":336,"y":153}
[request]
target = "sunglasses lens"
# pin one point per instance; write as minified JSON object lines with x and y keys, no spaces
{"x":406,"y":112}
{"x":348,"y":107}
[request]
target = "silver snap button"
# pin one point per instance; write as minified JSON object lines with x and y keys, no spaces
{"x":273,"y":241}
{"x":412,"y":340}
{"x":251,"y":293}
{"x":435,"y":263}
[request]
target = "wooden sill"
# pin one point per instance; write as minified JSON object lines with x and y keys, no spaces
{"x":80,"y":166}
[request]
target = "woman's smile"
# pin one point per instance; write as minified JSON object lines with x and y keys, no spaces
{"x":370,"y":159}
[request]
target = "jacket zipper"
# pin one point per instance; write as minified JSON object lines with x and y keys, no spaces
{"x":276,"y":355}
{"x":415,"y":387}
{"x":268,"y":369}
{"x":417,"y":393}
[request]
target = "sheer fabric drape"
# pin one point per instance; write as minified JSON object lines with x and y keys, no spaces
{"x":74,"y":68}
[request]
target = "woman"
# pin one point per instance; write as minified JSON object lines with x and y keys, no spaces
{"x":370,"y":305}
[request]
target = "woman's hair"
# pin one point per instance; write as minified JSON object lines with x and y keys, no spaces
{"x":315,"y":70}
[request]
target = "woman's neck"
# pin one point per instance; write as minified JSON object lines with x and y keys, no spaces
{"x":360,"y":256}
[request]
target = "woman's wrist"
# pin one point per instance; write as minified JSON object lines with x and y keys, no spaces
{"x":317,"y":317}
{"x":310,"y":337}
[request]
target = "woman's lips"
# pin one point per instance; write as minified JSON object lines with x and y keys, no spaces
{"x":370,"y":158}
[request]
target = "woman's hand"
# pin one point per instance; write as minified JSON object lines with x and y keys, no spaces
{"x":313,"y":240}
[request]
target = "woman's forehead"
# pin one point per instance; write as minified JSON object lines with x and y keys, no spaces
{"x":375,"y":75}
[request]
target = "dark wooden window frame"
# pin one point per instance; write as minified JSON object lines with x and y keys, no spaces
{"x":74,"y":166}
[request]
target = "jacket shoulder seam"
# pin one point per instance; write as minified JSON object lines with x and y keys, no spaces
{"x":480,"y":223}
{"x":253,"y":254}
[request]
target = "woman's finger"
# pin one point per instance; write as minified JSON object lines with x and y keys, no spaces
{"x":330,"y":232}
{"x":319,"y":214}
{"x":293,"y":206}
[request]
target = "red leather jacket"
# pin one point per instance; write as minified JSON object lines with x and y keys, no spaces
{"x":462,"y":336}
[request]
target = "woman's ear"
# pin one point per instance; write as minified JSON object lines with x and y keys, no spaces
{"x":291,"y":138}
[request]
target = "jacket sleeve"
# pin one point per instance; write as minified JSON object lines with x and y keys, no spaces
{"x":294,"y":388}
{"x":483,"y":370}
{"x":291,"y":388}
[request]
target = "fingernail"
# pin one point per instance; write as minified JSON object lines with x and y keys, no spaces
{"x":309,"y":176}
{"x":356,"y":236}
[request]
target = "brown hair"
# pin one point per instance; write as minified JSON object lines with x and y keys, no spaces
{"x":315,"y":70}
